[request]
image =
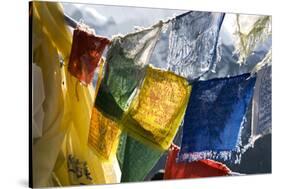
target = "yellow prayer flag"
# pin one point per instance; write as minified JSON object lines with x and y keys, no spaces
{"x":158,"y":109}
{"x":103,"y":136}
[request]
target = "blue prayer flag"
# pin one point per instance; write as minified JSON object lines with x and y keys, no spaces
{"x":214,"y":116}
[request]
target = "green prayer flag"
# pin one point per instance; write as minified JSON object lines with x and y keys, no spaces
{"x":135,"y":159}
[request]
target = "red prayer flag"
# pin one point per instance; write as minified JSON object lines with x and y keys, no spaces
{"x":85,"y":54}
{"x":196,"y":169}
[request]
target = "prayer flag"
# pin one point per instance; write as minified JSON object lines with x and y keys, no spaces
{"x":196,"y":169}
{"x":214,"y":116}
{"x":135,"y":159}
{"x":261,"y":116}
{"x":251,"y":33}
{"x":193,"y":42}
{"x":85,"y":54}
{"x":158,"y":108}
{"x":103,"y":135}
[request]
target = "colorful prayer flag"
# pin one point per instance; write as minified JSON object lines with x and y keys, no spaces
{"x":214,"y":116}
{"x":85,"y":54}
{"x":196,"y":169}
{"x":193,"y":42}
{"x":158,"y":108}
{"x":103,"y":135}
{"x":135,"y":159}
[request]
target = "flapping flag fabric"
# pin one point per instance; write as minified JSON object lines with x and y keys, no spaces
{"x":85,"y":54}
{"x":119,"y":131}
{"x":127,"y":58}
{"x":251,"y":33}
{"x":261,"y":116}
{"x":135,"y":159}
{"x":106,"y":103}
{"x":196,"y":169}
{"x":193,"y":42}
{"x":214,"y":116}
{"x":103,"y":135}
{"x":158,"y":109}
